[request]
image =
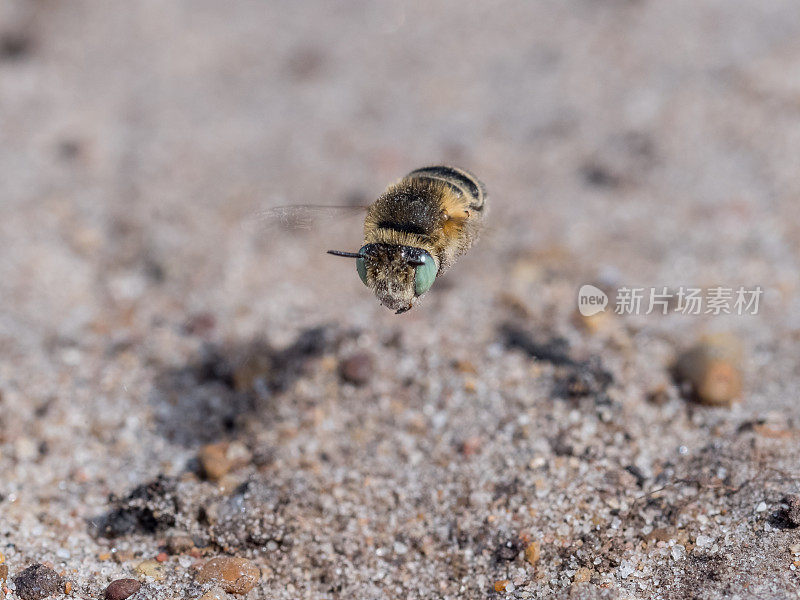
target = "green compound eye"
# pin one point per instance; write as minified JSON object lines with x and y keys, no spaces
{"x":361,"y":267}
{"x":425,"y":274}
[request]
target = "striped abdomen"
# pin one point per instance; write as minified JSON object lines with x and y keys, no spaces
{"x":461,"y":181}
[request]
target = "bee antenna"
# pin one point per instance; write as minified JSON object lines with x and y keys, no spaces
{"x":345,"y":254}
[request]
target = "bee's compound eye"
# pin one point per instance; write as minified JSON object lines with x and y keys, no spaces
{"x":361,"y":267}
{"x":424,"y":274}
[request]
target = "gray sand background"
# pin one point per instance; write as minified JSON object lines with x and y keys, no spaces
{"x":144,"y":313}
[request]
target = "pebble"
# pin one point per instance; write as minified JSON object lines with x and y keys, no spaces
{"x":532,"y":552}
{"x":658,"y":395}
{"x":123,"y":556}
{"x":703,"y":540}
{"x":234,"y":575}
{"x":37,"y":582}
{"x":465,"y":366}
{"x":200,"y":324}
{"x":356,"y":368}
{"x":3,"y":573}
{"x":583,"y":575}
{"x":712,"y":369}
{"x":501,"y":585}
{"x":217,"y":460}
{"x":121,"y":589}
{"x":151,"y":568}
{"x":626,"y":569}
{"x":508,"y":550}
{"x":179,"y":543}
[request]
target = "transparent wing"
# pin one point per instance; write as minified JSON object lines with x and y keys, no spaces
{"x":300,"y":217}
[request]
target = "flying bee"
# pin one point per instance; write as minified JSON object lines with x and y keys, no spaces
{"x":416,"y":230}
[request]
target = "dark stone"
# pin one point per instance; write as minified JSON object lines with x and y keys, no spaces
{"x":38,"y":582}
{"x":507,"y":551}
{"x":121,"y":589}
{"x":357,"y":368}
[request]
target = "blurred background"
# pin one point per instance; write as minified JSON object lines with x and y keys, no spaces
{"x":623,"y":142}
{"x":653,"y":141}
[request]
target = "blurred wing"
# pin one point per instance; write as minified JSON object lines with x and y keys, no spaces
{"x":301,"y":217}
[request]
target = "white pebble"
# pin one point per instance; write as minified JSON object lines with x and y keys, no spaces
{"x":626,"y":569}
{"x":704,"y":540}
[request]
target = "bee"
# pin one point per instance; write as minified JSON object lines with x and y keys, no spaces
{"x":416,"y":230}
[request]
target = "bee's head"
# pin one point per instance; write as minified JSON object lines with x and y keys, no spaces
{"x":397,"y":274}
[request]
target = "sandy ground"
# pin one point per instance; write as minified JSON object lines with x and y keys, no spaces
{"x":492,"y":445}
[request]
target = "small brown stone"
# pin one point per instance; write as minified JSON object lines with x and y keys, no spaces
{"x":465,"y":366}
{"x":151,"y":568}
{"x":234,"y":575}
{"x":712,"y":369}
{"x":501,"y":585}
{"x":658,"y":395}
{"x":179,"y":543}
{"x":217,"y":460}
{"x":582,"y":575}
{"x":471,"y":445}
{"x":3,"y":573}
{"x":532,"y":553}
{"x":123,"y":556}
{"x":356,"y":368}
{"x":121,"y":589}
{"x":200,"y":324}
